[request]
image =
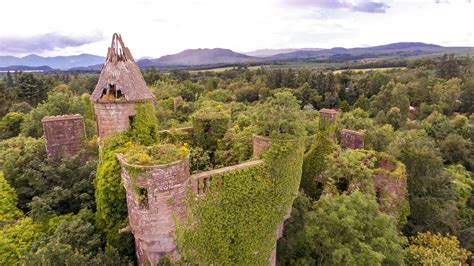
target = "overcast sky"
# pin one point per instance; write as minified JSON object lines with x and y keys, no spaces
{"x":155,"y":28}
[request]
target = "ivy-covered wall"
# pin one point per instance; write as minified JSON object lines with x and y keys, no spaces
{"x":109,"y":193}
{"x":235,"y":223}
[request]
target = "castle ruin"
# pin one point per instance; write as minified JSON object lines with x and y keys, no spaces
{"x":351,"y":139}
{"x":120,"y":87}
{"x":63,"y":134}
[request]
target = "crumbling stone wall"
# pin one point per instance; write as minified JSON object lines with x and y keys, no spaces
{"x":260,"y":144}
{"x":113,"y":117}
{"x":328,"y":115}
{"x":390,"y":184}
{"x":63,"y":134}
{"x":155,"y":194}
{"x":351,"y":139}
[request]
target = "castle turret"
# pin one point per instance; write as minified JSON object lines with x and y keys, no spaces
{"x":120,"y":87}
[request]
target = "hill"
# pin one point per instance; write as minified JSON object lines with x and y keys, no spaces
{"x":56,"y":62}
{"x":192,"y":57}
{"x":271,"y":52}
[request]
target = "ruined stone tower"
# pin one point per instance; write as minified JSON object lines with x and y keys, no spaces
{"x":120,"y":87}
{"x":155,"y":197}
{"x":63,"y":134}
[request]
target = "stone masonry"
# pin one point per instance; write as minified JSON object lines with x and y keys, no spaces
{"x":113,"y":117}
{"x":260,"y":143}
{"x":154,"y":195}
{"x":351,"y":139}
{"x":63,"y":134}
{"x":328,"y":115}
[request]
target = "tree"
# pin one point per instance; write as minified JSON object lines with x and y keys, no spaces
{"x":279,"y":117}
{"x":448,"y":67}
{"x":391,"y":95}
{"x":351,"y":167}
{"x":350,"y":230}
{"x":31,"y":88}
{"x":356,"y":119}
{"x":435,"y":249}
{"x":64,"y":184}
{"x":455,"y":149}
{"x":467,"y":96}
{"x":9,"y":213}
{"x":6,"y":98}
{"x":379,"y":138}
{"x":395,"y":118}
{"x":345,"y":106}
{"x":431,"y":193}
{"x":59,"y":103}
{"x":10,"y":125}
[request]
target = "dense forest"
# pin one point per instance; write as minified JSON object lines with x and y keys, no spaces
{"x":418,"y":119}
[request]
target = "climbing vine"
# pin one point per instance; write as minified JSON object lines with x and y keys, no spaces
{"x":110,"y":193}
{"x":144,"y":128}
{"x":315,"y":162}
{"x":236,"y":222}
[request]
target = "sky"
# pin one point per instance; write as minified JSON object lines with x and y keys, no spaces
{"x":155,"y":28}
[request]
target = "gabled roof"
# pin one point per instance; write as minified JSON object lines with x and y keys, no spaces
{"x":120,"y":76}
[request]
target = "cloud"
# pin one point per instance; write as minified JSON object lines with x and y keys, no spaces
{"x":44,"y":42}
{"x":366,"y":6}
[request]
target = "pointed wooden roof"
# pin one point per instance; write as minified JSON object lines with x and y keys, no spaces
{"x":120,"y":78}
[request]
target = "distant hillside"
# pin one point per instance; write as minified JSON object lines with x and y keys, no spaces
{"x":394,"y":50}
{"x":271,"y":52}
{"x":192,"y":57}
{"x":25,"y":68}
{"x":224,"y":57}
{"x":56,"y":62}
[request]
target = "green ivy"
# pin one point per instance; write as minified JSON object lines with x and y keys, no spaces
{"x":236,"y":222}
{"x":144,"y":128}
{"x":110,"y":195}
{"x":315,"y":162}
{"x":112,"y":213}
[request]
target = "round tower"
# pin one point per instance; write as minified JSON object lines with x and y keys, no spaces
{"x":120,"y":87}
{"x":156,"y":195}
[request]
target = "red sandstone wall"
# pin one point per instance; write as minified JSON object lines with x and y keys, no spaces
{"x":259,"y":145}
{"x":352,"y":139}
{"x":153,"y":226}
{"x":113,"y":117}
{"x":63,"y":134}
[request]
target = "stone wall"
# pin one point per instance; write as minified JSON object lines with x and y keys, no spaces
{"x":63,"y":134}
{"x":351,"y":139}
{"x":259,"y":144}
{"x":113,"y":117}
{"x":155,"y":194}
{"x":390,"y":184}
{"x":328,"y":115}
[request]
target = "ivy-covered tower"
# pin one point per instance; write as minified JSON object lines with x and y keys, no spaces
{"x":120,"y":87}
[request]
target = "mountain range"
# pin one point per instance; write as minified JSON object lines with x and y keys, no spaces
{"x":219,"y":56}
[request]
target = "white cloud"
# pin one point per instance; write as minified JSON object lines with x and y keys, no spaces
{"x":154,"y":28}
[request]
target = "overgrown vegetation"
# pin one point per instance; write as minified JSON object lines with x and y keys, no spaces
{"x":418,"y":126}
